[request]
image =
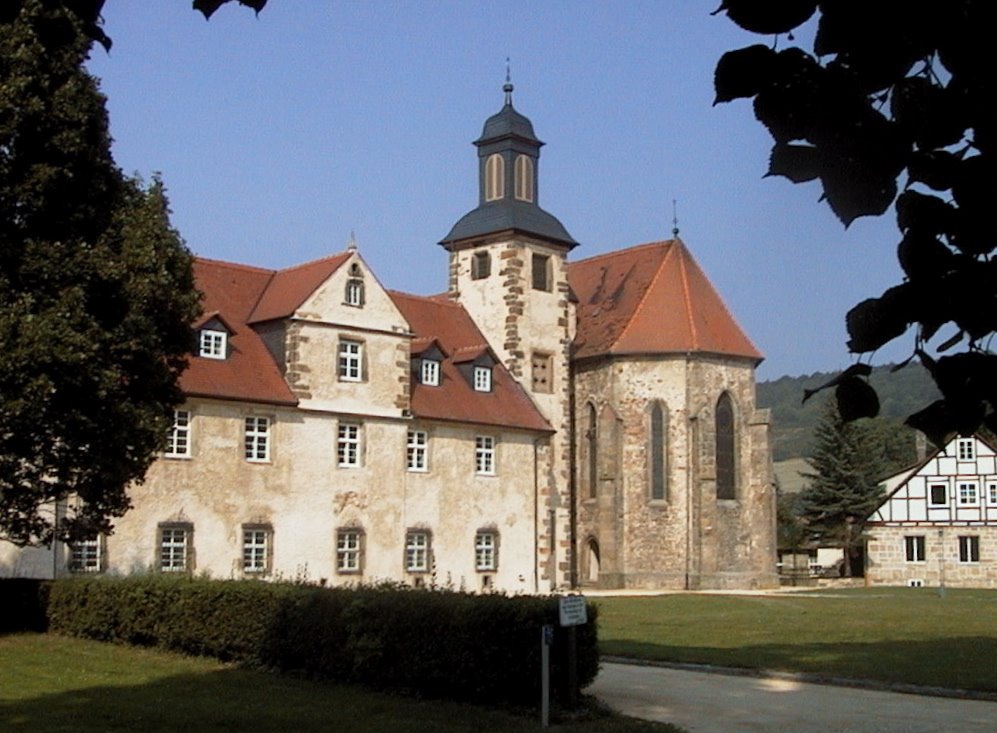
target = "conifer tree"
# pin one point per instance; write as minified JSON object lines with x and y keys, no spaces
{"x":96,"y":291}
{"x":845,"y":482}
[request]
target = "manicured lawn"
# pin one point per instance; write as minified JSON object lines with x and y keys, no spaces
{"x":908,"y":635}
{"x":54,"y":684}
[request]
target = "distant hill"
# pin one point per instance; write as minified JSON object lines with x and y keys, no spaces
{"x":900,"y":394}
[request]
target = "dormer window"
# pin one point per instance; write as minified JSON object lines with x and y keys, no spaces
{"x":482,"y":379}
{"x":524,"y":178}
{"x":494,"y":177}
{"x":354,"y":287}
{"x":430,"y":373}
{"x":213,"y":344}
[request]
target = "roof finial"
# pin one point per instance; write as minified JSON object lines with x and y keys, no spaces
{"x":507,"y":87}
{"x":352,"y":244}
{"x":675,"y":220}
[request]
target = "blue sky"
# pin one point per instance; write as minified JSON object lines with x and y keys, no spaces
{"x":277,"y":136}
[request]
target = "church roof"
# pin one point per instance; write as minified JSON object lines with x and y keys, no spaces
{"x":507,"y":122}
{"x":448,"y":324}
{"x":505,"y":215}
{"x":652,"y":299}
{"x":249,"y":372}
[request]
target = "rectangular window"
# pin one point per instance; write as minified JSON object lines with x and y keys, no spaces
{"x":348,"y":445}
{"x":178,"y":441}
{"x":349,"y":550}
{"x":174,"y":548}
{"x":541,"y":272}
{"x":540,"y":372}
{"x":85,"y":556}
{"x":212,"y":344}
{"x":481,"y":265}
{"x":969,"y":493}
{"x":430,"y":372}
{"x":417,"y":551}
{"x":914,"y":548}
{"x":486,"y":551}
{"x":966,"y":449}
{"x":992,"y":494}
{"x":257,"y":439}
{"x":969,"y":549}
{"x":417,"y":453}
{"x":354,"y":292}
{"x":484,"y":455}
{"x":257,"y":547}
{"x":938,"y":494}
{"x":350,"y":361}
{"x":482,"y":379}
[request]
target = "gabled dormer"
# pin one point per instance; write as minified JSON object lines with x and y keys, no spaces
{"x":213,"y":333}
{"x":427,"y":362}
{"x":477,"y":366}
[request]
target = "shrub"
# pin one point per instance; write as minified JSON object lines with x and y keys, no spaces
{"x":434,"y":643}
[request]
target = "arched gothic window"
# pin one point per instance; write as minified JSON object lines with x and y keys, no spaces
{"x":591,"y":437}
{"x":657,"y":452}
{"x":524,"y":178}
{"x":725,"y":448}
{"x":494,"y":177}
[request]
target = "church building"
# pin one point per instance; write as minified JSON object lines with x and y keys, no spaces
{"x":546,"y":423}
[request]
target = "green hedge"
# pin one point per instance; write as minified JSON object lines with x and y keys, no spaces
{"x":481,"y":648}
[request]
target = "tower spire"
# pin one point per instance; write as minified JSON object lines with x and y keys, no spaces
{"x":507,"y":87}
{"x":675,"y":220}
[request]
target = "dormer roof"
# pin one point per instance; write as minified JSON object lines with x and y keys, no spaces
{"x":652,"y":299}
{"x":454,"y":399}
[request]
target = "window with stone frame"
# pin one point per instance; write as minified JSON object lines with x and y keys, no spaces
{"x":484,"y":455}
{"x":86,"y":555}
{"x":969,"y":549}
{"x":486,"y":550}
{"x":178,"y":442}
{"x":541,"y":371}
{"x":418,"y":549}
{"x":657,"y":452}
{"x":725,"y":448}
{"x":349,"y":550}
{"x":256,"y":440}
{"x":257,"y":549}
{"x":541,"y":271}
{"x":481,"y":265}
{"x":417,"y":451}
{"x":350,"y":361}
{"x":348,"y":445}
{"x":914,"y":548}
{"x":175,"y":543}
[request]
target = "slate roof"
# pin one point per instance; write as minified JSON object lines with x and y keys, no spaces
{"x":509,"y":215}
{"x":651,"y":299}
{"x":448,"y":324}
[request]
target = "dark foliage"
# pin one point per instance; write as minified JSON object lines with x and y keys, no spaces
{"x":480,"y":648}
{"x":96,"y":292}
{"x":24,"y":605}
{"x":895,"y":97}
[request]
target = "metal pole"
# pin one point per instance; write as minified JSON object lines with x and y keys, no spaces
{"x":546,"y":637}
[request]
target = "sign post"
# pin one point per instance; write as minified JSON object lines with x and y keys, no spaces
{"x":546,"y":640}
{"x":573,"y":613}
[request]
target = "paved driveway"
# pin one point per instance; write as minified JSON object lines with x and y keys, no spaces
{"x":703,"y":702}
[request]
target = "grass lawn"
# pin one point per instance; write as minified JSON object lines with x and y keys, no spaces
{"x":908,"y":635}
{"x":54,"y":684}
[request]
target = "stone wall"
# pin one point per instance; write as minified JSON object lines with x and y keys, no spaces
{"x":886,"y":560}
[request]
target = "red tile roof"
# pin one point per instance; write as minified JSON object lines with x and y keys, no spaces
{"x":652,"y":299}
{"x":507,"y":405}
{"x":249,"y":373}
{"x":291,"y":287}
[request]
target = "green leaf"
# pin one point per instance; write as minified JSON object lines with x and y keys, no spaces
{"x":876,"y":321}
{"x":856,"y":399}
{"x":770,"y":16}
{"x":798,"y":163}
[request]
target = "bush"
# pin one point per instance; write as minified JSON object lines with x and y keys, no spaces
{"x":435,"y":643}
{"x":23,"y":605}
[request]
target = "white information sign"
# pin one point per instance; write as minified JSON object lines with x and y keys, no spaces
{"x":572,"y":612}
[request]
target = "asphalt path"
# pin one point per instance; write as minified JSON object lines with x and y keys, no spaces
{"x":706,"y":702}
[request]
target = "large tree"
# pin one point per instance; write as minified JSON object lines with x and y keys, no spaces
{"x":96,"y":290}
{"x":845,"y":483}
{"x":895,"y":97}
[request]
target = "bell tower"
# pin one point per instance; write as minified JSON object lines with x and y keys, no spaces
{"x":508,"y":270}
